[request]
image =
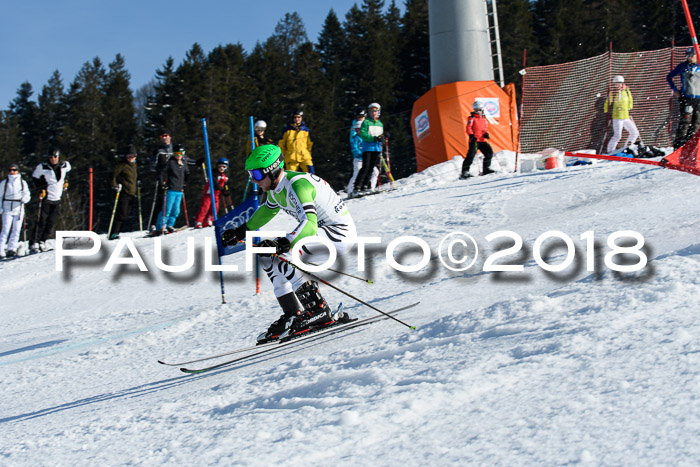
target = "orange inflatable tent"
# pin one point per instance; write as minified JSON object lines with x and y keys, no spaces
{"x":439,"y":119}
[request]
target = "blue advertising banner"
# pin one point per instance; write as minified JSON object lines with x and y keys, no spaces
{"x":233,"y":219}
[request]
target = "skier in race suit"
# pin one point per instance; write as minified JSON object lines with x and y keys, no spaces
{"x":320,"y":212}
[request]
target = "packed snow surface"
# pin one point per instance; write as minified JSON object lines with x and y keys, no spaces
{"x":504,"y":368}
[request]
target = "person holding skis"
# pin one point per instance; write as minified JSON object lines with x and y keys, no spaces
{"x":320,"y":212}
{"x":688,"y":97}
{"x":205,"y":215}
{"x":260,"y":138}
{"x":172,"y":180}
{"x":124,"y":181}
{"x":620,"y":102}
{"x":478,"y":132}
{"x":372,"y":134}
{"x":14,"y":193}
{"x":296,"y":144}
{"x":50,"y":180}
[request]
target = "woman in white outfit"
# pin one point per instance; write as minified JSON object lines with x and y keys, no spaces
{"x":14,"y":194}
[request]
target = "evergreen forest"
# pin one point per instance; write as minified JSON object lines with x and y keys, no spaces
{"x":375,"y":52}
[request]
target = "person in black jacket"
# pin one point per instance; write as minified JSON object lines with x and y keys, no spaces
{"x":173,"y":179}
{"x":125,"y":179}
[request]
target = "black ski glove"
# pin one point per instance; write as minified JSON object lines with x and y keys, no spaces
{"x":200,"y":161}
{"x":486,"y":135}
{"x":232,"y":236}
{"x":472,"y":139}
{"x":282,"y":245}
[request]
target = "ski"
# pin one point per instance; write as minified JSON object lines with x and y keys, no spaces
{"x":259,"y":345}
{"x":304,"y":338}
{"x":362,"y":194}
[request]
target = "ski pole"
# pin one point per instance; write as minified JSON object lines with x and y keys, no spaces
{"x":184,"y":204}
{"x":153,"y":206}
{"x":359,"y":300}
{"x":42,"y":194}
{"x":138,"y":195}
{"x":369,"y":281}
{"x":165,"y":205}
{"x":114,"y":210}
{"x":245,"y":192}
{"x":344,"y":292}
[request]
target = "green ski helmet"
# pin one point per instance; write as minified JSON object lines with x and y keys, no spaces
{"x":265,"y":160}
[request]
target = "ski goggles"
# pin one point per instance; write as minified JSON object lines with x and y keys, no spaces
{"x":257,"y":174}
{"x":180,"y":153}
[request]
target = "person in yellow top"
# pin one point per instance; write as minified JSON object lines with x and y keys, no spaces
{"x":620,"y":102}
{"x":296,"y":145}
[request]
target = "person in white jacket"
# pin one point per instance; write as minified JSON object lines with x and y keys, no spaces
{"x":14,"y":194}
{"x":50,"y":180}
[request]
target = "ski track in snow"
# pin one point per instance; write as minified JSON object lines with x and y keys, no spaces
{"x":505,"y":368}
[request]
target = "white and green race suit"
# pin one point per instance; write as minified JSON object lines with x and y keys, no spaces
{"x":320,"y":212}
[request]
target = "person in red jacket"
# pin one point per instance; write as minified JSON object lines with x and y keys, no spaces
{"x":205,"y":215}
{"x":478,"y":131}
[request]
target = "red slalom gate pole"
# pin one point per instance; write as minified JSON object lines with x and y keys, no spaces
{"x":90,"y":216}
{"x":691,"y":28}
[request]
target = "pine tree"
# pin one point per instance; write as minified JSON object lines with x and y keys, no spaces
{"x":118,"y":108}
{"x":25,"y":111}
{"x":515,"y":21}
{"x":51,"y":113}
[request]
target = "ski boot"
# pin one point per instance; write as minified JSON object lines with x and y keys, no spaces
{"x":316,"y":313}
{"x":291,"y":309}
{"x":465,"y":175}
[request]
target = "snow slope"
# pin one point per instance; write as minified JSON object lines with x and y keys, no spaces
{"x":505,"y":368}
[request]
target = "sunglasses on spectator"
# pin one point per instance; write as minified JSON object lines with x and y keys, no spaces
{"x":13,"y":170}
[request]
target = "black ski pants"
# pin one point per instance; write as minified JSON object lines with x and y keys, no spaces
{"x":689,"y":122}
{"x":370,"y":160}
{"x":123,"y":209}
{"x":47,"y":218}
{"x":485,"y":149}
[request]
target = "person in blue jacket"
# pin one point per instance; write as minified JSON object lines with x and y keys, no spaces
{"x":356,"y":149}
{"x":688,"y":97}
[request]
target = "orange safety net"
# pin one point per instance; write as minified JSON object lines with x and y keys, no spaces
{"x":439,"y":120}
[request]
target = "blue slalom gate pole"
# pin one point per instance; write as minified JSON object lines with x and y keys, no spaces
{"x":255,"y":198}
{"x":213,"y":200}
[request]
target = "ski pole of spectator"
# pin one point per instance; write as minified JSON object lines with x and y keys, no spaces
{"x":114,"y":210}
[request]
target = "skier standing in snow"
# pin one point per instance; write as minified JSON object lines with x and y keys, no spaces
{"x":356,"y":149}
{"x":372,"y":134}
{"x":296,"y":144}
{"x":260,"y":138}
{"x":125,"y":181}
{"x":620,"y":102}
{"x":688,"y":97}
{"x":14,"y":193}
{"x":50,"y":180}
{"x":320,"y":212}
{"x":205,"y":215}
{"x":173,"y":178}
{"x":478,"y":132}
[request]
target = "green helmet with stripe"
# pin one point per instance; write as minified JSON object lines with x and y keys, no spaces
{"x":264,"y":160}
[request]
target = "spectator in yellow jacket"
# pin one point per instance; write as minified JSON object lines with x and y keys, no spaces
{"x":296,"y":145}
{"x":620,"y":102}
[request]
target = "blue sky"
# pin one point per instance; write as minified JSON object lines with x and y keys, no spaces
{"x":38,"y":37}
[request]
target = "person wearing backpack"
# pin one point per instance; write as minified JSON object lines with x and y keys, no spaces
{"x":14,"y":194}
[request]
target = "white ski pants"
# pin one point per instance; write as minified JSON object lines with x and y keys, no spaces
{"x":11,"y":226}
{"x":618,"y":126}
